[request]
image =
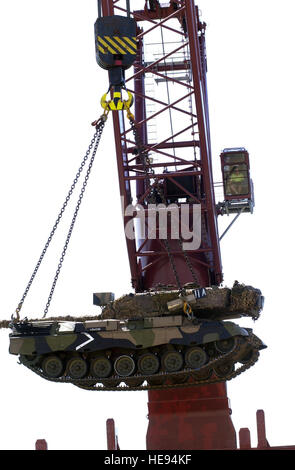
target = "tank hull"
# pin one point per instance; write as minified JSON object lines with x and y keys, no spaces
{"x":155,"y":352}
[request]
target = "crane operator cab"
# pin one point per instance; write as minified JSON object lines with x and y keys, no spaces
{"x":237,"y":184}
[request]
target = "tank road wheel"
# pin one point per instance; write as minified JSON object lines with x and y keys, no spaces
{"x":52,"y":366}
{"x":156,"y":381}
{"x":172,"y":361}
{"x":202,"y":375}
{"x":225,"y":345}
{"x":77,"y":368}
{"x":148,"y":364}
{"x":179,"y":379}
{"x":124,"y":366}
{"x":195,"y":357}
{"x":223,"y":370}
{"x":101,"y":367}
{"x":110,"y":383}
{"x":134,"y":382}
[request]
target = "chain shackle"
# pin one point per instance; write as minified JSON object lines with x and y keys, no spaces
{"x":187,"y":309}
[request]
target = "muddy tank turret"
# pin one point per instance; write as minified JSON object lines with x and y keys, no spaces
{"x":210,"y":303}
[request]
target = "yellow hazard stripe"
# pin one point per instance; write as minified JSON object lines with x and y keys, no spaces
{"x":124,"y":45}
{"x":101,"y":49}
{"x":105,"y":44}
{"x":133,"y":44}
{"x":115,"y":45}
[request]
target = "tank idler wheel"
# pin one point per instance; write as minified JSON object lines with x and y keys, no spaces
{"x":124,"y":366}
{"x":223,"y":370}
{"x":101,"y":367}
{"x":77,"y":368}
{"x":246,"y":358}
{"x":148,"y":364}
{"x":29,"y":360}
{"x":172,"y":361}
{"x":225,"y":345}
{"x":52,"y":366}
{"x":195,"y":357}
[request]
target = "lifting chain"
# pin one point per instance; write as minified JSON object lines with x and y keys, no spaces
{"x":99,"y":126}
{"x":146,"y":163}
{"x":189,"y":264}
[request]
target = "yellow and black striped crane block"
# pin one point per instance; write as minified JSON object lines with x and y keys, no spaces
{"x":115,"y":39}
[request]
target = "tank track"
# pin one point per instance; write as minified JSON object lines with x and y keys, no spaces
{"x":166,"y":380}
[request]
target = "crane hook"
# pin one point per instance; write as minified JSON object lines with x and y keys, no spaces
{"x":117,"y":103}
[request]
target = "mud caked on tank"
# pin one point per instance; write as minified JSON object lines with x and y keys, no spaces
{"x":145,"y":341}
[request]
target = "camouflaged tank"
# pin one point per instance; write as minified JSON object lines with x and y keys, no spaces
{"x":155,"y":352}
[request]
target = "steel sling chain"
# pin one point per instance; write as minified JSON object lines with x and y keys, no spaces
{"x":99,"y":129}
{"x":99,"y":124}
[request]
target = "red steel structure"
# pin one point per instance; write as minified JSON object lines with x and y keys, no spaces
{"x":149,"y":262}
{"x":192,"y":417}
{"x":171,"y":56}
{"x":244,"y":436}
{"x":171,"y":53}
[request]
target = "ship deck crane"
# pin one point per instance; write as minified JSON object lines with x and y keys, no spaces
{"x":169,"y":83}
{"x":165,"y":44}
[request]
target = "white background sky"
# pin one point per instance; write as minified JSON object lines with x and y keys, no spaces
{"x":49,"y":95}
